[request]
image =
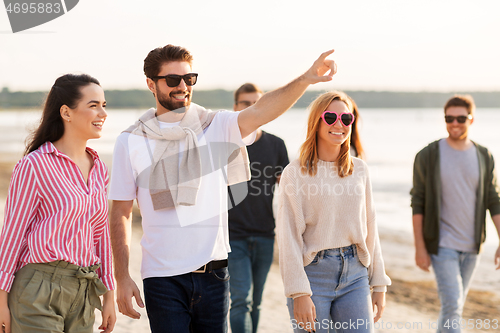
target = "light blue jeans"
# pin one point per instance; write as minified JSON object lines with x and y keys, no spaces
{"x":454,"y":270}
{"x":341,"y":293}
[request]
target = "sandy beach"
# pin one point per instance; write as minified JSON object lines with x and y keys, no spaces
{"x":412,"y":303}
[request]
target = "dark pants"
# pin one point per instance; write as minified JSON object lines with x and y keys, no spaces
{"x":249,"y":263}
{"x":188,"y":303}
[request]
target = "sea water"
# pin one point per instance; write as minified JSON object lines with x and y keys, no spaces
{"x":390,"y":137}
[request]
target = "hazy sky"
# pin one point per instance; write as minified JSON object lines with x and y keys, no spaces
{"x":397,"y":45}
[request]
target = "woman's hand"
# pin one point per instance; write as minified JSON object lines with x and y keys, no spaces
{"x":108,"y":312}
{"x":378,"y":301}
{"x":4,"y":312}
{"x":304,"y":312}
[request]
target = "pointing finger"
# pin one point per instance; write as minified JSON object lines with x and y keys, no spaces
{"x":326,"y":54}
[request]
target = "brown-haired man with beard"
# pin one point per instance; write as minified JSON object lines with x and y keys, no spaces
{"x":454,"y":183}
{"x":177,"y":161}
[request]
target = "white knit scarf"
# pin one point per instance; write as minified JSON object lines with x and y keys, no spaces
{"x":182,"y":181}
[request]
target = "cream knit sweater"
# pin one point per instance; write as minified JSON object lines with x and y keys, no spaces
{"x":326,"y":212}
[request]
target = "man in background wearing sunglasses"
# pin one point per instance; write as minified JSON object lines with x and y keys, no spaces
{"x":172,"y":161}
{"x":251,"y":222}
{"x":454,"y":183}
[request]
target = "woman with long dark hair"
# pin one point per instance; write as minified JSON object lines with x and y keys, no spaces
{"x":330,"y":257}
{"x":55,"y":253}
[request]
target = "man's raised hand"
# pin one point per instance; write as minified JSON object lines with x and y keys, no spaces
{"x":321,"y":67}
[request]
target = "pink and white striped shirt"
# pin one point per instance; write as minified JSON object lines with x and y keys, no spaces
{"x":52,"y":214}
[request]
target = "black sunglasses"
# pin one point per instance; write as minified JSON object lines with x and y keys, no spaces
{"x":460,"y":119}
{"x":245,"y":103}
{"x":173,"y":80}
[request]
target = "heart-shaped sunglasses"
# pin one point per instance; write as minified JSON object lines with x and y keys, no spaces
{"x":330,"y":118}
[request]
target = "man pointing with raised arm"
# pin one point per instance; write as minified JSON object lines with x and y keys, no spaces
{"x":177,"y":161}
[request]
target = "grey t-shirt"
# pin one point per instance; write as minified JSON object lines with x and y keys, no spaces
{"x":459,"y":183}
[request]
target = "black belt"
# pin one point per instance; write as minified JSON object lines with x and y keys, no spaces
{"x":214,"y":264}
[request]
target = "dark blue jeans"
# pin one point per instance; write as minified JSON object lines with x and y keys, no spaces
{"x":249,"y":262}
{"x":188,"y":303}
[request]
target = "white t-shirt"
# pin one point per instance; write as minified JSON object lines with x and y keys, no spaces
{"x":182,"y":239}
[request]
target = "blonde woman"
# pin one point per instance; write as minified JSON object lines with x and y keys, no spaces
{"x":357,"y":149}
{"x":330,"y":257}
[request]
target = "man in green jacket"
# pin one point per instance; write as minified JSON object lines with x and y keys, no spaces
{"x":454,"y":183}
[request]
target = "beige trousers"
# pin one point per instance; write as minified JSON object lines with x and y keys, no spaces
{"x":55,"y":297}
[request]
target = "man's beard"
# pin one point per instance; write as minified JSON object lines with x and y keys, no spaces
{"x":170,"y":104}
